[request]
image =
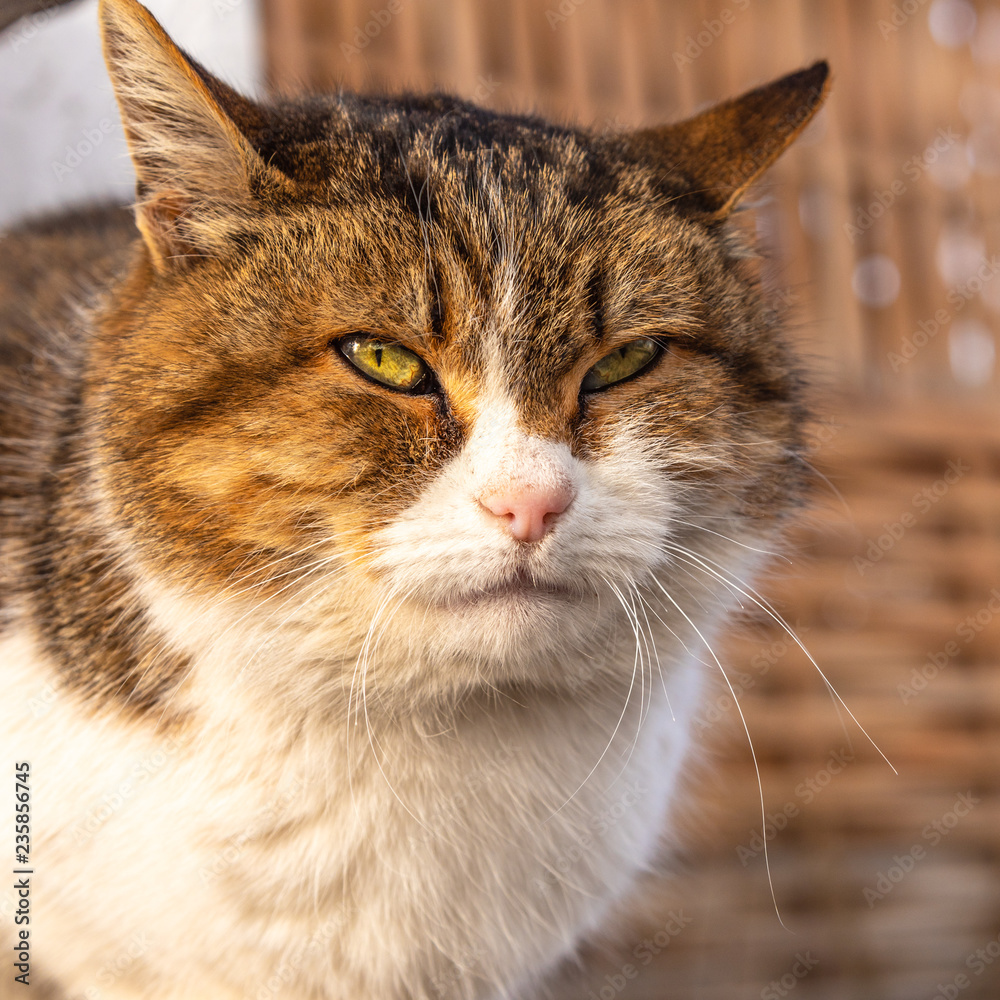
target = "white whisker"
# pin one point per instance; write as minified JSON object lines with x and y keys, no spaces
{"x":746,"y":729}
{"x":755,"y":598}
{"x":628,"y":695}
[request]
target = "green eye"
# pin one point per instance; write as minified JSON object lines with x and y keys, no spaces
{"x":386,"y":362}
{"x":617,"y":366}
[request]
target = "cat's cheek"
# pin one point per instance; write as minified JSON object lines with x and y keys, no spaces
{"x":229,"y":494}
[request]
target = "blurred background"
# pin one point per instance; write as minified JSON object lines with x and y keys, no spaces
{"x":881,"y":234}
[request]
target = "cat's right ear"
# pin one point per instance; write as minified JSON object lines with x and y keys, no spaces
{"x":198,"y":176}
{"x":718,"y":154}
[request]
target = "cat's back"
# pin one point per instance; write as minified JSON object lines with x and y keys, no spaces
{"x":52,"y":270}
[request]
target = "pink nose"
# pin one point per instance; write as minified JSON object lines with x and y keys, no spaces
{"x":529,"y":512}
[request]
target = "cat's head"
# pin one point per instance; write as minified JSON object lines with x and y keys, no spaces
{"x":456,"y":383}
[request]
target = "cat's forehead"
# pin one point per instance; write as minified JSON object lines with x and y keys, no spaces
{"x":421,"y":149}
{"x":520,"y":212}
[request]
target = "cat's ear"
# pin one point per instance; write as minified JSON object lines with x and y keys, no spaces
{"x":197,"y":171}
{"x":719,"y":153}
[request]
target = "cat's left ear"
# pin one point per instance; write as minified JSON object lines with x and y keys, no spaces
{"x":199,"y":177}
{"x":719,"y":153}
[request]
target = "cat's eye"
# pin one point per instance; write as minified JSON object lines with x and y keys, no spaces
{"x":620,"y":364}
{"x":383,"y":361}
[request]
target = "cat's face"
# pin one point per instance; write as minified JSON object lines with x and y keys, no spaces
{"x":454,"y":382}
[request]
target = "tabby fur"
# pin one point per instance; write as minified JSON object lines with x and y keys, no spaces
{"x":303,"y":717}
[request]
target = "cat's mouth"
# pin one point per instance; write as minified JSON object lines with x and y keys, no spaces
{"x":519,"y":587}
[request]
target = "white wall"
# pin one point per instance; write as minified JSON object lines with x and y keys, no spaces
{"x":61,"y":141}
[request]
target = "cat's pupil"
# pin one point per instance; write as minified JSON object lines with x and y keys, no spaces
{"x":378,"y":356}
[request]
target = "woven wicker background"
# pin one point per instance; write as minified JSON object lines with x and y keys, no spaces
{"x":882,"y":224}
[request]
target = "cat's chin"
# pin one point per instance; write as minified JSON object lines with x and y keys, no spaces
{"x":509,"y":629}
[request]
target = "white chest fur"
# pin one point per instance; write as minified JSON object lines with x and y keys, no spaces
{"x":254,"y":859}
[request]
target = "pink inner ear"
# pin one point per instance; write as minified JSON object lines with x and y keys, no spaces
{"x":529,"y":512}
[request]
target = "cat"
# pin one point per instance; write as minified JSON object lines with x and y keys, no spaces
{"x":368,"y":514}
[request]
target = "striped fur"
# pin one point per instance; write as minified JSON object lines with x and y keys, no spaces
{"x":305,"y":718}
